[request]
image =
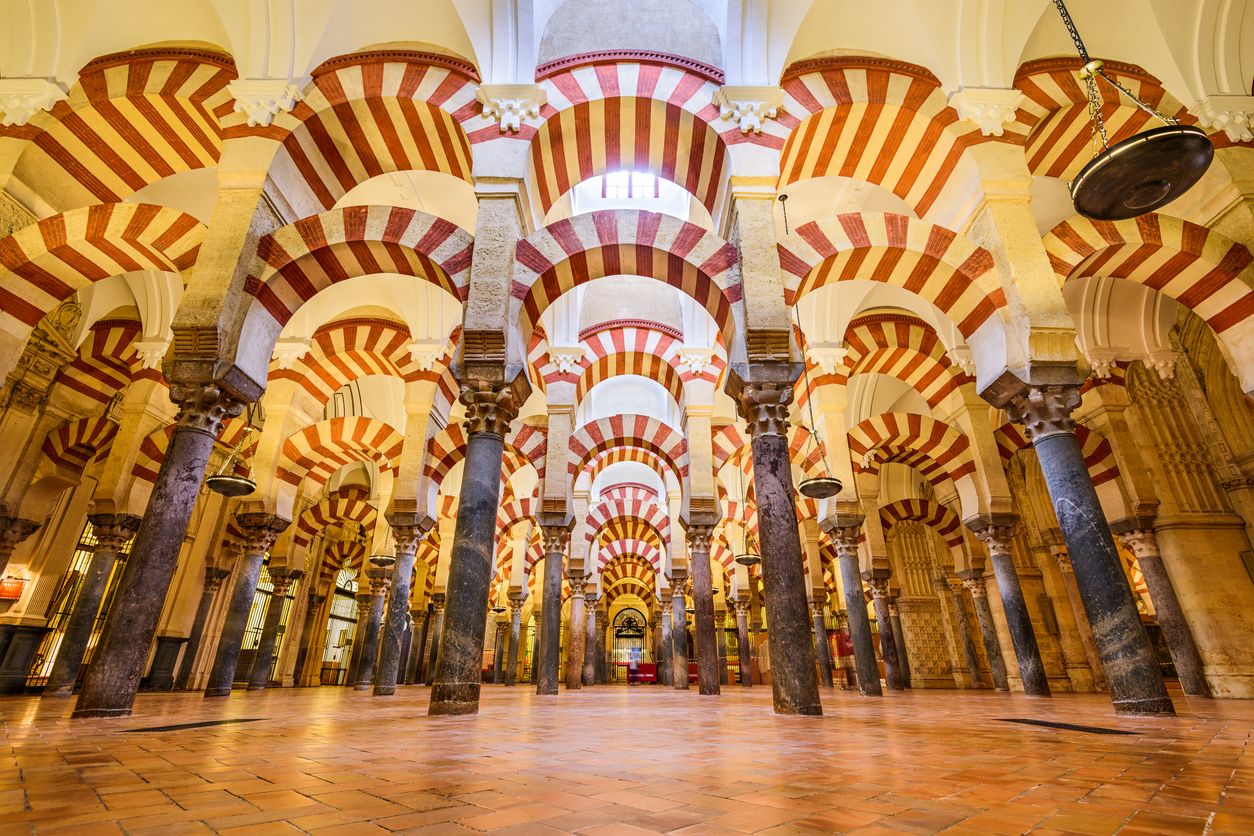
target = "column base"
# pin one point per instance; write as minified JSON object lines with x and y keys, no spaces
{"x":363,"y":686}
{"x":60,"y":692}
{"x":1152,"y":706}
{"x":384,"y":690}
{"x":454,"y":698}
{"x":799,"y":710}
{"x":92,"y":713}
{"x":256,"y":687}
{"x":217,"y":692}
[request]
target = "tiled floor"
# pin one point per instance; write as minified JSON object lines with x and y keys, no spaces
{"x":617,"y":760}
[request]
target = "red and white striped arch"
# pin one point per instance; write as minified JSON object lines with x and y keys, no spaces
{"x":321,"y":449}
{"x":133,"y":118}
{"x":349,"y":349}
{"x":1099,"y":457}
{"x":940,"y":266}
{"x":643,"y":549}
{"x":629,"y":492}
{"x":934,"y":448}
{"x":343,"y":506}
{"x":107,"y":361}
{"x":372,"y":113}
{"x":881,"y":121}
{"x":514,"y":512}
{"x":1055,"y":112}
{"x":49,"y":261}
{"x":628,"y":528}
{"x":620,"y":506}
{"x":632,"y":117}
{"x":314,"y":253}
{"x":605,"y":434}
{"x":932,"y":514}
{"x":629,"y":574}
{"x":639,"y":455}
{"x":151,"y":454}
{"x":1199,"y":268}
{"x":445,"y":449}
{"x":344,"y":554}
{"x":577,"y":250}
{"x":74,"y":446}
{"x":531,"y":444}
{"x":729,"y":443}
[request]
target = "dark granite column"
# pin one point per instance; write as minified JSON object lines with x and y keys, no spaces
{"x":13,"y":530}
{"x":282,"y":580}
{"x":664,"y":666}
{"x":590,"y":638}
{"x":943,"y":586}
{"x":515,"y":636}
{"x":698,"y":534}
{"x":556,"y":538}
{"x":973,"y":580}
{"x":577,"y":635}
{"x":363,"y":599}
{"x":878,"y":581}
{"x":437,"y":632}
{"x":535,"y":645}
{"x":998,"y":534}
{"x":1139,"y":538}
{"x":720,"y":633}
{"x":762,"y":402}
{"x":742,"y":640}
{"x":679,"y":632}
{"x":1081,"y":618}
{"x":498,"y":652}
{"x":490,"y":406}
{"x":260,"y":531}
{"x":112,"y":533}
{"x":308,"y":641}
{"x":899,"y":639}
{"x":1136,"y":683}
{"x":213,"y":582}
{"x":824,"y":650}
{"x":417,"y":647}
{"x":602,"y":658}
{"x":408,"y":529}
{"x":380,"y":574}
{"x":113,"y":678}
{"x":845,"y":538}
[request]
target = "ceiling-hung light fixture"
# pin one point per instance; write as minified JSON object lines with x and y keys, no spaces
{"x":1142,"y":173}
{"x":821,"y":486}
{"x":748,"y":555}
{"x":226,"y":481}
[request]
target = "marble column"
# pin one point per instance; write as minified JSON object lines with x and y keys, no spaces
{"x":213,"y":582}
{"x":845,"y":538}
{"x":1081,"y":619}
{"x":679,"y":633}
{"x":899,"y":638}
{"x":720,"y":633}
{"x":13,"y":531}
{"x":515,"y":636}
{"x":437,"y":631}
{"x":537,"y":615}
{"x":964,"y":627}
{"x":698,"y":536}
{"x":664,"y":666}
{"x":282,"y":580}
{"x":998,"y":534}
{"x":408,"y":530}
{"x":742,"y":641}
{"x":499,"y":640}
{"x":490,"y":407}
{"x":260,"y":531}
{"x":822,"y":647}
{"x":590,"y":638}
{"x":602,"y":657}
{"x":878,"y":581}
{"x":417,"y":647}
{"x":113,"y":678}
{"x":556,"y":539}
{"x":1136,"y":683}
{"x":762,"y":401}
{"x":363,"y":599}
{"x":973,"y":580}
{"x":380,"y":574}
{"x":1141,"y":541}
{"x":308,"y":641}
{"x":577,"y":635}
{"x":112,"y":533}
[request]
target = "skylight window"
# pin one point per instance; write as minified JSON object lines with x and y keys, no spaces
{"x":630,"y":190}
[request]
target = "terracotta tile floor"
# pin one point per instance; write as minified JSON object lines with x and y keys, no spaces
{"x":613,"y":760}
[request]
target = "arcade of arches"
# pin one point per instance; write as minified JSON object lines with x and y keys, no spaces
{"x":528,"y":319}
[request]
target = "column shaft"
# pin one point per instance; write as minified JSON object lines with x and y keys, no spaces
{"x":232,"y":638}
{"x":899,"y":637}
{"x":1019,"y":621}
{"x":437,"y":630}
{"x":396,"y":627}
{"x":964,"y":627}
{"x":550,"y":639}
{"x":259,"y":677}
{"x":859,"y":622}
{"x":679,"y":641}
{"x":742,"y":640}
{"x":703,"y":603}
{"x":213,"y":582}
{"x":824,"y":650}
{"x":380,"y":575}
{"x":665,"y":674}
{"x":888,"y":644}
{"x":309,"y":646}
{"x":590,"y":640}
{"x":988,"y":630}
{"x":576,"y":637}
{"x":515,"y":635}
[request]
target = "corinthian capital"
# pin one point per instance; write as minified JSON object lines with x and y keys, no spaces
{"x":204,"y":407}
{"x":764,"y":406}
{"x":490,"y":406}
{"x":556,"y":538}
{"x":113,"y":530}
{"x":1044,"y":411}
{"x":260,"y":530}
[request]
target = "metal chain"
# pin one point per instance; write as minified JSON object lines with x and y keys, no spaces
{"x":1071,"y":30}
{"x":805,"y":370}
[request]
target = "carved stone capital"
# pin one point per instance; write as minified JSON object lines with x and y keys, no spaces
{"x":1234,"y":115}
{"x":764,"y":406}
{"x":13,"y":530}
{"x":893,"y":610}
{"x":974,"y":582}
{"x":1140,"y":541}
{"x":699,"y":537}
{"x":818,"y":609}
{"x":510,"y":104}
{"x":555,"y":537}
{"x":591,"y":598}
{"x":282,"y":580}
{"x":408,"y":530}
{"x":749,"y":107}
{"x":438,"y":601}
{"x":1044,"y":411}
{"x":288,"y":350}
{"x":742,"y":608}
{"x":260,"y":530}
{"x":204,"y":407}
{"x":995,"y":531}
{"x":566,"y":359}
{"x":877,"y":583}
{"x":113,"y":531}
{"x":490,"y":406}
{"x":22,"y":98}
{"x":990,"y":108}
{"x":262,"y":99}
{"x":214,"y":577}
